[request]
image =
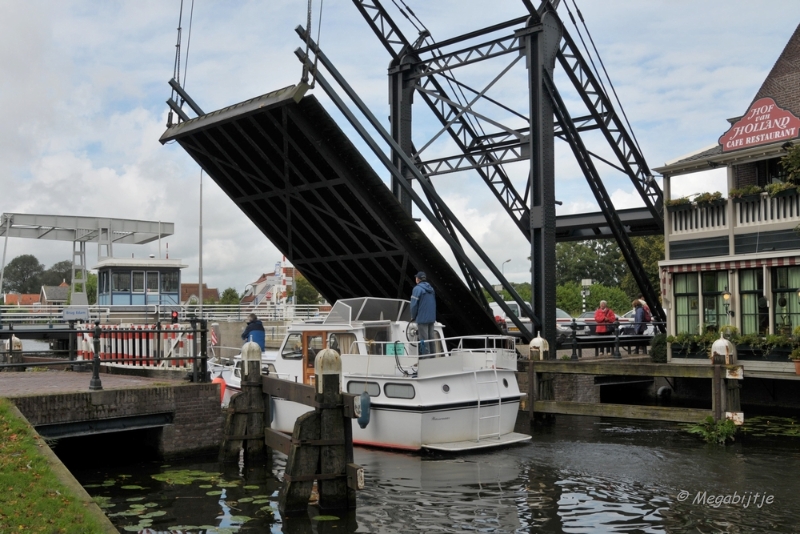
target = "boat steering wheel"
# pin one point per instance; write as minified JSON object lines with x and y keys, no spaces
{"x":412,"y":334}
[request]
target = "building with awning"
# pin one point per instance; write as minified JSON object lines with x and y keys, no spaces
{"x":736,"y":260}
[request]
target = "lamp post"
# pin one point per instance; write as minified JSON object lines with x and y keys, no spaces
{"x":503,"y":267}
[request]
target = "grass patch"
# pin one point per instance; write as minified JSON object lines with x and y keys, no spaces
{"x":33,"y":499}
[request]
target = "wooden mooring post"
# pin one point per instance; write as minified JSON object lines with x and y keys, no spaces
{"x":244,"y":425}
{"x":320,"y":448}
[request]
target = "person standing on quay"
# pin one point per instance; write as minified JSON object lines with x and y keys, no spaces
{"x":423,"y":310}
{"x":604,"y":317}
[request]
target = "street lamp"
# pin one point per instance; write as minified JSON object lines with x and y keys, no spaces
{"x":726,"y":299}
{"x":503,"y":268}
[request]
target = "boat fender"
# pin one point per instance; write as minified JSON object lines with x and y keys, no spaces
{"x":219,"y":380}
{"x":363,"y":417}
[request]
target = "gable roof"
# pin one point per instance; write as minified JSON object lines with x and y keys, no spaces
{"x":52,"y":294}
{"x":782,"y":84}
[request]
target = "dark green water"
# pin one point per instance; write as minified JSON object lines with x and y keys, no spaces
{"x":580,"y":475}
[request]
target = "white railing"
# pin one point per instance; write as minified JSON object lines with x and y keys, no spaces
{"x":764,"y":209}
{"x":702,"y":218}
{"x":753,"y":211}
{"x":151,"y":314}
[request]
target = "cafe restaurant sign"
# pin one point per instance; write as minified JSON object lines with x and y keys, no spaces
{"x":763,"y":123}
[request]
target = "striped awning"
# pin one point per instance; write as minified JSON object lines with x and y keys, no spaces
{"x":733,"y":264}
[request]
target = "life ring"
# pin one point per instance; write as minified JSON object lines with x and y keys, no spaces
{"x":221,"y":381}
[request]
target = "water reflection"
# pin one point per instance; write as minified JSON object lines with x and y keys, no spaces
{"x":581,"y":475}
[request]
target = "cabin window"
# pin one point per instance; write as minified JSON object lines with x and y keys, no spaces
{"x":752,"y":302}
{"x":152,"y":282}
{"x":121,"y":282}
{"x":358,"y":387}
{"x":169,"y":282}
{"x":138,"y":281}
{"x":399,"y":391}
{"x":293,"y":348}
{"x":103,"y":281}
{"x":687,"y":312}
{"x":314,"y":346}
{"x":785,"y":284}
{"x":715,"y":283}
{"x":376,"y":337}
{"x":343,"y":343}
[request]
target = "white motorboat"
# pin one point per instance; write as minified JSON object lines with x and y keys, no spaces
{"x":460,"y":394}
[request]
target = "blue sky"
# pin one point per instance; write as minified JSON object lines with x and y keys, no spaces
{"x":82,"y":104}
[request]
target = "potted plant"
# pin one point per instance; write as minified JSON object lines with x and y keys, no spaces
{"x":746,"y":193}
{"x":780,"y":189}
{"x":677,"y":204}
{"x":710,"y":199}
{"x":795,"y":357}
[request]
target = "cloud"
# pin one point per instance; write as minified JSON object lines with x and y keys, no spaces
{"x":82,"y":103}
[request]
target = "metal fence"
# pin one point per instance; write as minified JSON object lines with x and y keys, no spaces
{"x":182,"y":347}
{"x":152,"y":314}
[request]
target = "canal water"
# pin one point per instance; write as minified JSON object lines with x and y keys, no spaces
{"x":580,"y":475}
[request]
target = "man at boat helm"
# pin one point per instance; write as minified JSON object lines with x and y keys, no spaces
{"x":423,"y":310}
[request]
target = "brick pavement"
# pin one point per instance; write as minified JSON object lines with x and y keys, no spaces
{"x":51,"y":381}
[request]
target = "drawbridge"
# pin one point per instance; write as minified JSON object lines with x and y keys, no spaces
{"x":289,"y":167}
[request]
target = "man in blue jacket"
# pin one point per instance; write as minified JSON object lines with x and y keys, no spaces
{"x":423,"y":310}
{"x":254,"y":331}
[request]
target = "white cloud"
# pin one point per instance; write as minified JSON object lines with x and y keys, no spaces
{"x":84,"y":84}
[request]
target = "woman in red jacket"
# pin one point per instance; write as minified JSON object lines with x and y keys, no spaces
{"x":604,"y":317}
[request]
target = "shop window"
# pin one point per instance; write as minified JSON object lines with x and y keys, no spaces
{"x":687,"y":309}
{"x":715,"y":283}
{"x":786,"y":303}
{"x":753,"y":305}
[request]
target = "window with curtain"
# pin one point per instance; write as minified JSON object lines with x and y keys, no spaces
{"x":786,"y":303}
{"x":753,"y":306}
{"x":715,"y":283}
{"x":687,"y":311}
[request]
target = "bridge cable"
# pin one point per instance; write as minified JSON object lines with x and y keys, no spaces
{"x":188,"y":44}
{"x":600,"y":59}
{"x":176,"y":68}
{"x":304,"y":77}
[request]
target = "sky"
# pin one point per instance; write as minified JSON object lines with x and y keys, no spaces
{"x":84,"y":85}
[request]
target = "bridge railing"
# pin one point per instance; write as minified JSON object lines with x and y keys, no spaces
{"x":183,"y":347}
{"x":151,"y":314}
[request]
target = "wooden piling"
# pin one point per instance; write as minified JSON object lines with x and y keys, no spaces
{"x":301,"y":466}
{"x":244,"y":424}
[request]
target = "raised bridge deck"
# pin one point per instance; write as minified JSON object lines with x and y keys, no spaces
{"x":289,"y":167}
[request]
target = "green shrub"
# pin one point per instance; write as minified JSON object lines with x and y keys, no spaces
{"x":658,"y":348}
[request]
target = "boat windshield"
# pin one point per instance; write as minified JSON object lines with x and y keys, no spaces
{"x":368,"y":309}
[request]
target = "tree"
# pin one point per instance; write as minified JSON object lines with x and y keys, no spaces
{"x":595,"y":259}
{"x":23,"y":274}
{"x":58,"y":273}
{"x":650,"y":250}
{"x":229,"y":296}
{"x":306,"y":293}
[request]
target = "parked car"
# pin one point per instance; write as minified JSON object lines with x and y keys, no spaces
{"x":563,"y":321}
